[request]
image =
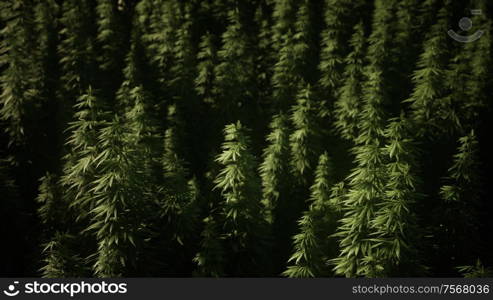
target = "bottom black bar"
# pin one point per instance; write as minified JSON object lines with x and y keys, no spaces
{"x":246,"y":288}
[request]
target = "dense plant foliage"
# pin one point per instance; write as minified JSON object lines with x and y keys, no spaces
{"x":310,"y":138}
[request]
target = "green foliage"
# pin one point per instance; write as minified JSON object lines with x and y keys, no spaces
{"x":429,"y":79}
{"x":180,"y":195}
{"x":292,"y":65}
{"x":408,"y":35}
{"x":237,"y":180}
{"x":61,"y":255}
{"x":332,"y":50}
{"x":76,"y":47}
{"x":480,"y":68}
{"x":159,"y":23}
{"x":243,"y":226}
{"x":460,"y":195}
{"x":111,"y":118}
{"x":381,"y":36}
{"x":476,"y":271}
{"x":51,"y":210}
{"x":265,"y":56}
{"x":366,"y":191}
{"x":367,"y":181}
{"x":464,"y":170}
{"x":406,"y":14}
{"x":313,"y":246}
{"x":118,"y":199}
{"x":324,"y":181}
{"x":60,"y":259}
{"x":210,"y":259}
{"x":183,"y":68}
{"x":17,"y":80}
{"x":304,"y":139}
{"x":175,"y":171}
{"x":136,"y":59}
{"x":274,"y":165}
{"x":308,"y":257}
{"x":205,"y":74}
{"x":284,"y":15}
{"x":234,"y":75}
{"x":46,"y":27}
{"x":80,"y":165}
{"x":109,"y":34}
{"x":395,"y":221}
{"x":338,"y":22}
{"x":142,"y":128}
{"x":348,"y":105}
